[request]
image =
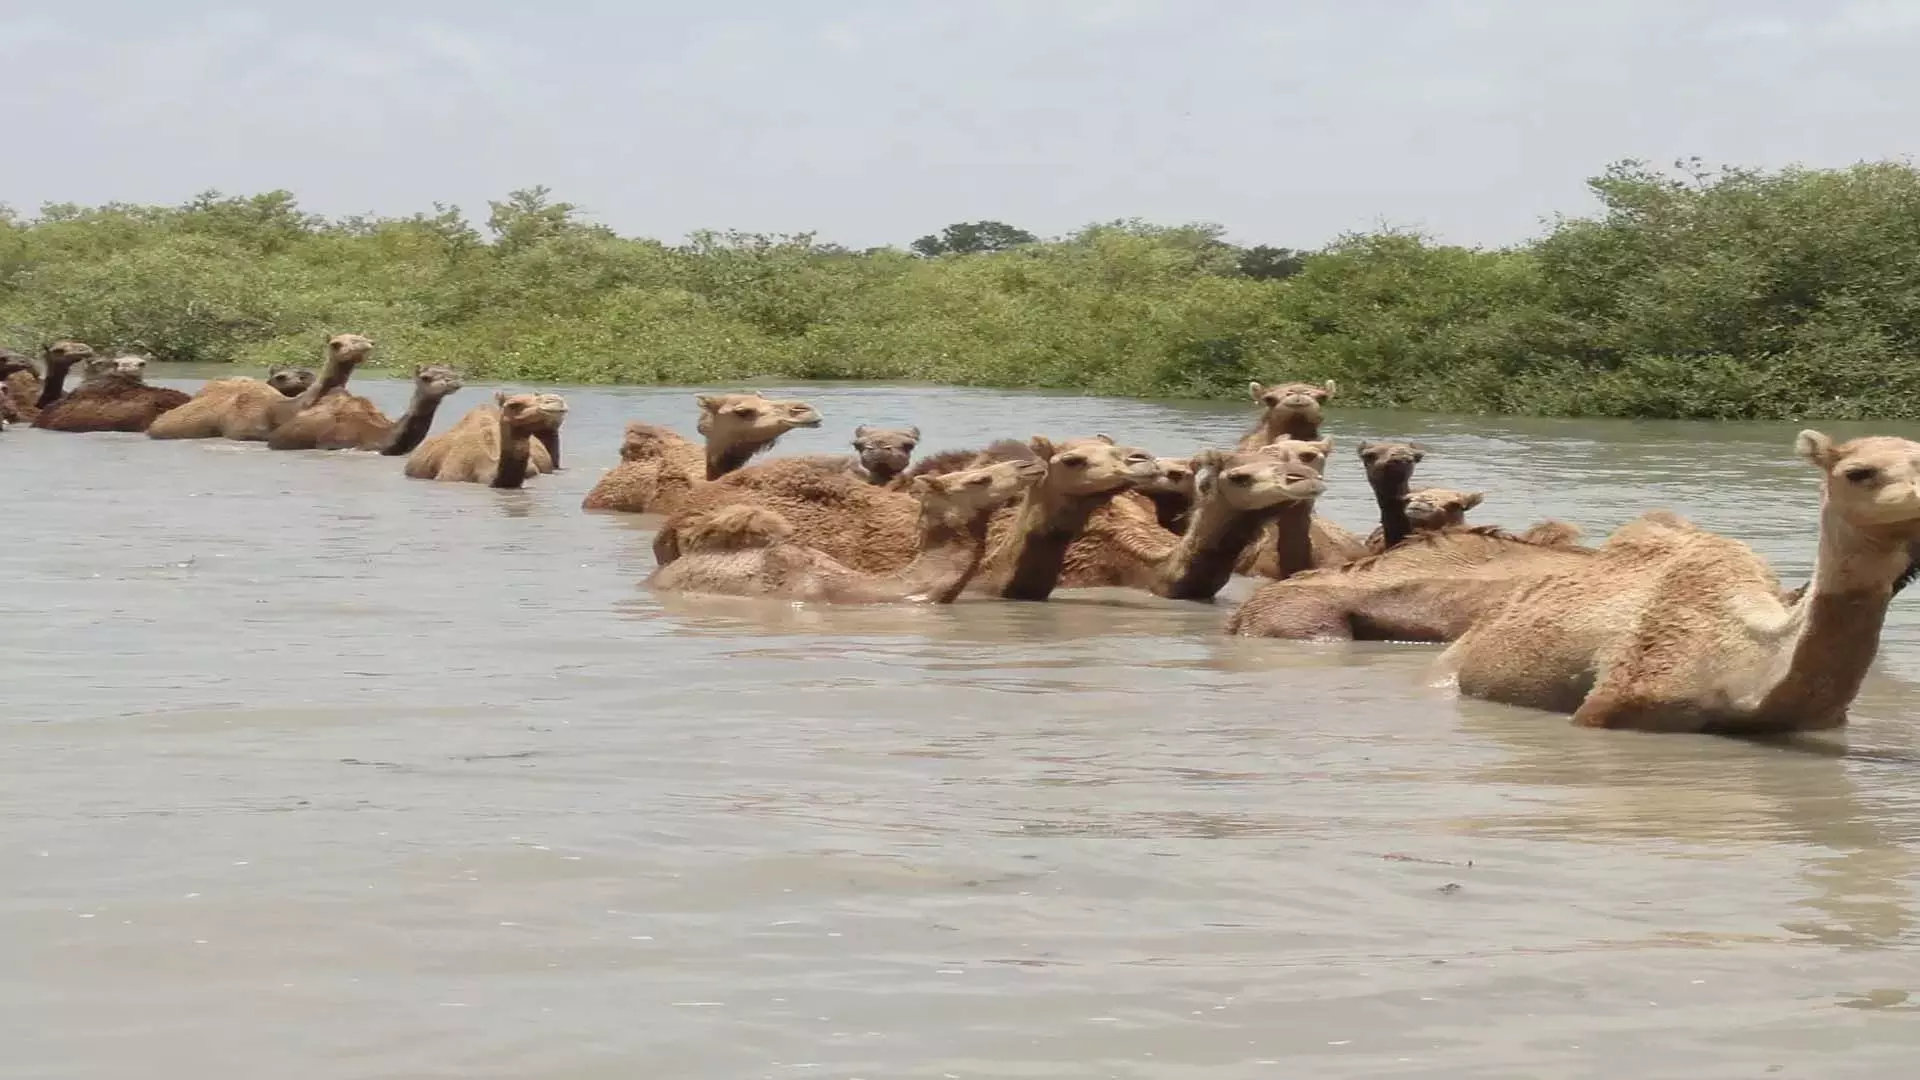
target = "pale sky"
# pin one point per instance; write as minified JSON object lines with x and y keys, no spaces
{"x":876,"y":121}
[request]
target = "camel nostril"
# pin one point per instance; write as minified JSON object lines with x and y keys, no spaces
{"x":1240,"y":478}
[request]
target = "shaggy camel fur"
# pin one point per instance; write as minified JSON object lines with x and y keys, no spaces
{"x":482,"y":423}
{"x":880,"y":456}
{"x":1293,"y":411}
{"x":249,"y":410}
{"x":1674,"y":628}
{"x":747,"y":550}
{"x":658,"y":468}
{"x":26,"y":391}
{"x":502,"y":457}
{"x":871,"y":529}
{"x":1240,"y":494}
{"x":340,"y":420}
{"x":113,"y":397}
{"x":1429,"y":587}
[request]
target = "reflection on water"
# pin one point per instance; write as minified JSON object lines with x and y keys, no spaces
{"x":318,"y":771}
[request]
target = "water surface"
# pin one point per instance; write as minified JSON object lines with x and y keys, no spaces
{"x":315,"y":771}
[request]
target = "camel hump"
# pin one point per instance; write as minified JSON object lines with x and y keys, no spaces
{"x":734,"y":528}
{"x":1552,"y":532}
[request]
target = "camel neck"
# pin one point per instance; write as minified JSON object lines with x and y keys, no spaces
{"x":1290,"y":426}
{"x":333,"y":376}
{"x":412,"y":427}
{"x":1390,"y":485}
{"x":515,"y":454}
{"x":550,"y":438}
{"x":1834,"y":629}
{"x":951,"y":550}
{"x":1042,"y":532}
{"x":1171,"y":509}
{"x":1293,"y":533}
{"x":55,"y":383}
{"x":879,"y":477}
{"x":1202,"y":563}
{"x":722,"y":460}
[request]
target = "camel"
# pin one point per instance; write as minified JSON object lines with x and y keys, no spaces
{"x":880,"y":457}
{"x":482,"y":423}
{"x":747,"y":550}
{"x":1240,"y":494}
{"x":871,"y":529}
{"x":1429,"y":587}
{"x":26,"y":390}
{"x":1293,"y":411}
{"x":249,"y":410}
{"x":658,"y":468}
{"x":502,"y":457}
{"x":1671,"y":627}
{"x":339,"y":420}
{"x":113,"y":396}
{"x":1171,"y":494}
{"x":1389,"y":468}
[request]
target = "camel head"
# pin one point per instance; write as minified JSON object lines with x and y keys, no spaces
{"x":1395,"y":460}
{"x":1175,"y":477}
{"x":62,"y":355}
{"x":1289,"y":400}
{"x":291,"y":382}
{"x":435,"y":381}
{"x":1872,"y":482}
{"x":1440,"y":508}
{"x":533,"y":412}
{"x":971,"y":492}
{"x":125,"y":368}
{"x":1093,"y":466}
{"x":12,"y":363}
{"x":885,"y":452}
{"x":1280,"y":472}
{"x":350,"y":350}
{"x":751,"y":419}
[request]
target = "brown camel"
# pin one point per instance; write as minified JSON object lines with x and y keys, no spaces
{"x":340,"y":420}
{"x":482,"y":422}
{"x":1389,"y":468}
{"x":872,"y":529}
{"x":658,"y":468}
{"x":1674,"y":628}
{"x":1429,"y":587}
{"x":1171,"y":494}
{"x":1240,"y":495}
{"x":1293,"y":411}
{"x":249,"y":410}
{"x":880,"y":457}
{"x":19,"y":387}
{"x":747,"y":550}
{"x":113,"y":396}
{"x":502,"y":457}
{"x":27,"y":391}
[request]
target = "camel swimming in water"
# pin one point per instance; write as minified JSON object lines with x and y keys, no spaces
{"x":658,"y":467}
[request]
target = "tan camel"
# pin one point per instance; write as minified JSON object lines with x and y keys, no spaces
{"x":1674,"y":628}
{"x":872,"y":529}
{"x":747,"y":550}
{"x":27,"y":391}
{"x":340,"y":420}
{"x":1171,"y":494}
{"x":1240,"y":494}
{"x":503,"y":457}
{"x":19,"y":387}
{"x":1293,"y":411}
{"x":1427,"y":510}
{"x":249,"y":410}
{"x":482,"y":423}
{"x":1429,"y":587}
{"x":114,"y":396}
{"x":880,"y":457}
{"x":658,"y":468}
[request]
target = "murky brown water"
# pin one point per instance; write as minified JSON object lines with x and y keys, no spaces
{"x":315,"y":771}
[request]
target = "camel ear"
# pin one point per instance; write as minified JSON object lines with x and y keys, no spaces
{"x":1103,"y":437}
{"x":923,"y":485}
{"x":1329,"y":388}
{"x":913,"y":433}
{"x":1042,"y":446}
{"x":862,"y":431}
{"x":418,"y":368}
{"x":500,"y":397}
{"x":708,"y":403}
{"x":1472,"y":499}
{"x":1325,"y":445}
{"x":1814,"y":448}
{"x":1208,"y":462}
{"x":1368,"y":450}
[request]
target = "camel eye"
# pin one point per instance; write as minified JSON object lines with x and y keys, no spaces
{"x":980,"y":481}
{"x":1310,"y":457}
{"x":1270,"y":401}
{"x":1861,"y":474}
{"x":1074,"y":460}
{"x":908,"y":447}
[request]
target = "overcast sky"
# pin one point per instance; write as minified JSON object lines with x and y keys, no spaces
{"x":875,"y":121}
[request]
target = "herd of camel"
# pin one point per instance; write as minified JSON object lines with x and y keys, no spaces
{"x":1663,"y":626}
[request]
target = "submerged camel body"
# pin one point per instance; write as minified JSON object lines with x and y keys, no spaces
{"x":113,"y":397}
{"x":339,"y":420}
{"x":26,"y":391}
{"x":658,"y":468}
{"x":250,"y":410}
{"x":476,"y":434}
{"x":747,"y":550}
{"x":502,"y":457}
{"x":1674,"y":628}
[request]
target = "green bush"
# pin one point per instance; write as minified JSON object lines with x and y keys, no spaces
{"x":1738,"y":294}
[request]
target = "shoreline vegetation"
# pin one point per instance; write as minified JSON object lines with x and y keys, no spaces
{"x":1691,"y":293}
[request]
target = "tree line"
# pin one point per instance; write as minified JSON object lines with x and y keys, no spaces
{"x":1730,"y":293}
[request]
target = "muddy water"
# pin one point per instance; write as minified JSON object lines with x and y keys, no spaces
{"x":314,"y":771}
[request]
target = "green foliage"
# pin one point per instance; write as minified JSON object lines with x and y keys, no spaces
{"x":1737,"y":294}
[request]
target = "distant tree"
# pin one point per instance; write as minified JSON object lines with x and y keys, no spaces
{"x":1266,"y":263}
{"x":972,"y":238}
{"x":529,"y":215}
